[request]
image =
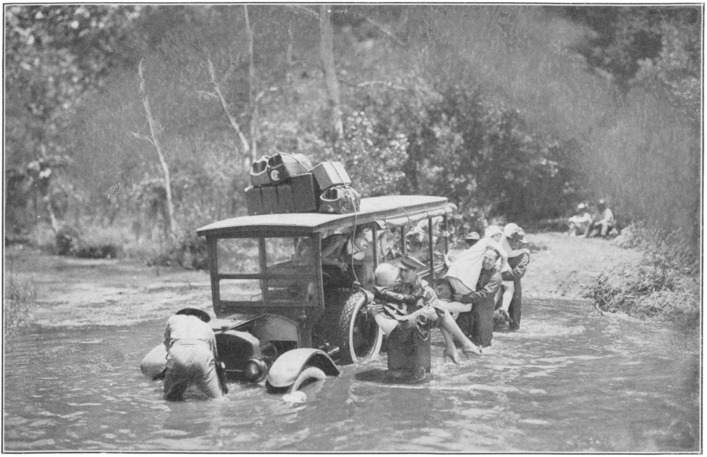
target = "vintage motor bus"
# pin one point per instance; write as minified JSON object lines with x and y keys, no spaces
{"x":280,"y":314}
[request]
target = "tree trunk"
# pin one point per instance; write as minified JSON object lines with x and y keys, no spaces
{"x":170,"y":226}
{"x":327,"y":54}
{"x":251,"y":89}
{"x":224,"y":105}
{"x":53,"y":220}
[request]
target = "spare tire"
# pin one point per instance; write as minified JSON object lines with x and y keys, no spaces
{"x":359,"y":335}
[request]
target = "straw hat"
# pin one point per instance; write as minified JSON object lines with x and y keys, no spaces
{"x":203,"y":315}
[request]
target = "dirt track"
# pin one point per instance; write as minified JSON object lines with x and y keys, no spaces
{"x":565,"y":266}
{"x":76,"y":292}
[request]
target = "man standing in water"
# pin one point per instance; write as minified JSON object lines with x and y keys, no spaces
{"x":479,"y":321}
{"x":191,"y":355}
{"x":518,"y":265}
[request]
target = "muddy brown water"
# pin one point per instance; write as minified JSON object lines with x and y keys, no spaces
{"x":569,"y":381}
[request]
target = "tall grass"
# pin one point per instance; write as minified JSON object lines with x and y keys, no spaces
{"x":20,"y":296}
{"x":671,"y":249}
{"x":666,"y":284}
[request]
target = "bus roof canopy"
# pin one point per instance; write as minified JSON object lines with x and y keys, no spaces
{"x":392,"y":211}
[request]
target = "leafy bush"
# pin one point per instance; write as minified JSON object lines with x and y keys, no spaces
{"x":188,"y":251}
{"x":102,"y":251}
{"x":20,"y":295}
{"x":42,"y":237}
{"x":374,"y":160}
{"x":96,"y":243}
{"x":456,"y":141}
{"x":67,"y":241}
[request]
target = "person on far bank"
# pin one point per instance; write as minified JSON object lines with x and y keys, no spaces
{"x":602,"y":222}
{"x":579,"y":223}
{"x":478,"y":323}
{"x":518,"y":266}
{"x":191,"y":356}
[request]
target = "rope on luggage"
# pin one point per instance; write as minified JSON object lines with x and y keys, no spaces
{"x":353,"y":241}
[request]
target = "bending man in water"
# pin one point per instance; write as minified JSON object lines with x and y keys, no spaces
{"x":191,"y":355}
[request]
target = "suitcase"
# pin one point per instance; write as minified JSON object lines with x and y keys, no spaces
{"x":305,"y":193}
{"x":259,"y":172}
{"x":283,"y":166}
{"x":253,"y":200}
{"x":285,"y":200}
{"x":269,"y":196}
{"x":329,"y":174}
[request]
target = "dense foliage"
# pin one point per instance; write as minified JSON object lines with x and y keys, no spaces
{"x":512,"y":111}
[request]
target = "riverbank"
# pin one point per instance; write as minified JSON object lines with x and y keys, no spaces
{"x":77,"y":292}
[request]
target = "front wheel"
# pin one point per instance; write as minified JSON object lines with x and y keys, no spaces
{"x":360,"y":336}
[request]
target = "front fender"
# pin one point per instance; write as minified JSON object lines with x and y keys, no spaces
{"x":288,"y":366}
{"x":154,"y":362}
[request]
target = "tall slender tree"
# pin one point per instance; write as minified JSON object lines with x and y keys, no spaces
{"x":169,"y":223}
{"x":252,"y":89}
{"x":326,"y":33}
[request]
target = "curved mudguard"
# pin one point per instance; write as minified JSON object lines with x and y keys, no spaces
{"x":288,"y":366}
{"x":154,"y":362}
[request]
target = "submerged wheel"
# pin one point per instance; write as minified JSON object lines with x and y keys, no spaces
{"x":359,"y":334}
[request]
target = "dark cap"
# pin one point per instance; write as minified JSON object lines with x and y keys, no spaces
{"x":473,"y":236}
{"x":444,"y":281}
{"x":203,"y":315}
{"x":411,"y":263}
{"x":518,"y":235}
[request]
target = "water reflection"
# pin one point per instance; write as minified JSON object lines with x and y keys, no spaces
{"x":570,"y":381}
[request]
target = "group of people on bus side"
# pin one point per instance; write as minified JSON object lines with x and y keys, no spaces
{"x":417,"y":239}
{"x":485,"y":276}
{"x":417,"y":305}
{"x":602,"y":223}
{"x":461,"y":305}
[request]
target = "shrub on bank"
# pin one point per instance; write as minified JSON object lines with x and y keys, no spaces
{"x":88,"y":242}
{"x":188,"y":251}
{"x":100,"y":243}
{"x":665,"y":284}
